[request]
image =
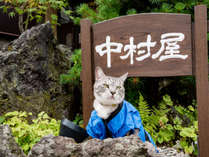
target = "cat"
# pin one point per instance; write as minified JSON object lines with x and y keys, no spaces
{"x":109,"y":92}
{"x":112,"y":115}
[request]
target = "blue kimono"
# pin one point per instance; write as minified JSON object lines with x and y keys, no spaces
{"x":127,"y":119}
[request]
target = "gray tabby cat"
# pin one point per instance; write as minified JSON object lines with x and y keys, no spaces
{"x":109,"y":92}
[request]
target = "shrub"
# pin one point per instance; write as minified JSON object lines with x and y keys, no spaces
{"x":171,"y":125}
{"x":79,"y":120}
{"x":33,"y":9}
{"x":27,"y":134}
{"x":73,"y":75}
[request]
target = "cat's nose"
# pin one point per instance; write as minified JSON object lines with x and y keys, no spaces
{"x":112,"y":93}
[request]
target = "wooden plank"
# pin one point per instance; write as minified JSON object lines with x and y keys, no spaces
{"x":87,"y":67}
{"x":201,"y":71}
{"x":140,"y":26}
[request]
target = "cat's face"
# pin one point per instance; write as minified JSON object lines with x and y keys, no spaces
{"x":109,"y":90}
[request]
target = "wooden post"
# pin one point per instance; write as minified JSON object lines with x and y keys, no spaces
{"x":49,"y":12}
{"x":87,"y":69}
{"x":201,"y":72}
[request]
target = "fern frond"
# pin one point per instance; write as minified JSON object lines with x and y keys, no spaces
{"x":144,"y":109}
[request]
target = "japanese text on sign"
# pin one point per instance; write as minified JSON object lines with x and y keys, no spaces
{"x":169,"y":48}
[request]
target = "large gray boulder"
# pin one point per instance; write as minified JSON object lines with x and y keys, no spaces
{"x":8,"y":146}
{"x":128,"y":146}
{"x":30,"y":69}
{"x":58,"y":146}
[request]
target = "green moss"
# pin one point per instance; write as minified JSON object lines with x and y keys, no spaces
{"x":40,"y":101}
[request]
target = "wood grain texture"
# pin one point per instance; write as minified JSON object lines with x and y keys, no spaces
{"x":87,"y":67}
{"x":139,"y":26}
{"x":201,"y":72}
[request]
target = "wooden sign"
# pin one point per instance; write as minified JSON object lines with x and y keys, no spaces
{"x":150,"y":45}
{"x":141,"y":45}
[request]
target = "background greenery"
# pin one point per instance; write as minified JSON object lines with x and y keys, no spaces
{"x":29,"y":10}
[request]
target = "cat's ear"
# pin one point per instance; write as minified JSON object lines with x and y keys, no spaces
{"x":99,"y":73}
{"x":124,"y":77}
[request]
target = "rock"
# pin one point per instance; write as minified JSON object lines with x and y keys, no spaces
{"x":8,"y":146}
{"x":59,"y":146}
{"x":128,"y":146}
{"x":30,"y":69}
{"x":51,"y":146}
{"x":3,"y":43}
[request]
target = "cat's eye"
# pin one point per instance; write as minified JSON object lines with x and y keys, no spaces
{"x":106,"y":85}
{"x":118,"y":87}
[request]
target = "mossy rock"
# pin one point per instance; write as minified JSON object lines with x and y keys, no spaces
{"x":30,"y":69}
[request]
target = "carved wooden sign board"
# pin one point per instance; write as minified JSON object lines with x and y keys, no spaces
{"x":149,"y":45}
{"x":141,"y":45}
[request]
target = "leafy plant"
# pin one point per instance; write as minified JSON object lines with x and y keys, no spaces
{"x":106,"y":9}
{"x":33,"y":10}
{"x":73,"y":75}
{"x":175,"y":6}
{"x":169,"y":124}
{"x":27,"y":134}
{"x":132,"y":86}
{"x":2,"y":119}
{"x":79,"y":120}
{"x":102,"y":10}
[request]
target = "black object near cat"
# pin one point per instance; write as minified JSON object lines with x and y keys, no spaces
{"x":69,"y":129}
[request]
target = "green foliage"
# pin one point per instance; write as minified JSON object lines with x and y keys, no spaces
{"x":2,"y":119}
{"x":34,"y":9}
{"x":175,"y":6}
{"x":78,"y":120}
{"x":105,"y":9}
{"x":168,"y":123}
{"x":73,"y":75}
{"x":27,"y":134}
{"x":179,"y":6}
{"x":132,"y":86}
{"x":144,"y":107}
{"x":131,"y":11}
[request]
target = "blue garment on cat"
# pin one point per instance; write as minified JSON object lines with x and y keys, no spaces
{"x":126,"y":120}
